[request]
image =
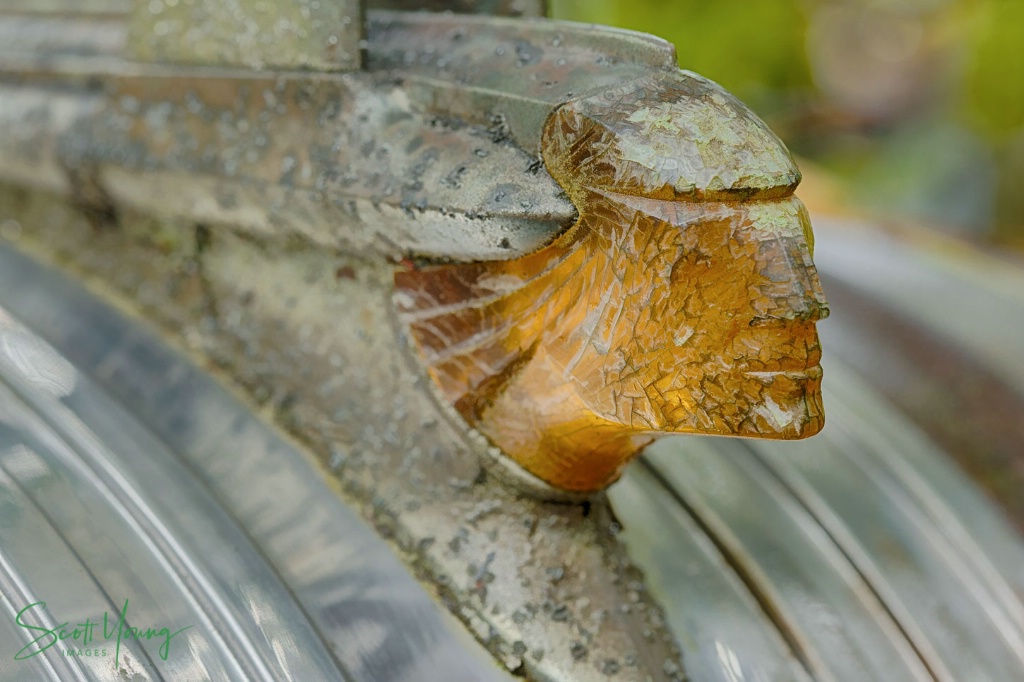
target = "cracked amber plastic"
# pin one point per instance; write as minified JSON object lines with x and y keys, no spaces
{"x":683,"y":300}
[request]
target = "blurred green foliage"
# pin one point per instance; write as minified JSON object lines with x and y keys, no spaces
{"x":994,"y":92}
{"x":917,"y":106}
{"x":752,"y":47}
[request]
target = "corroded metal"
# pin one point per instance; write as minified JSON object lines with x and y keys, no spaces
{"x":378,"y":172}
{"x":308,"y":333}
{"x":284,"y":34}
{"x":242,"y":151}
{"x":511,"y":8}
{"x":136,"y":499}
{"x":508,"y":75}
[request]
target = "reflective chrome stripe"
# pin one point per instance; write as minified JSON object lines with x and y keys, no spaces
{"x":202,"y":507}
{"x":724,"y":633}
{"x":906,"y":541}
{"x":835,"y":621}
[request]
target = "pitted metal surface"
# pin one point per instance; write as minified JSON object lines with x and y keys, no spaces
{"x":546,"y":587}
{"x":505,"y":73}
{"x":184,"y":504}
{"x":278,"y":34}
{"x":822,"y":579}
{"x":370,"y":175}
{"x":511,"y":8}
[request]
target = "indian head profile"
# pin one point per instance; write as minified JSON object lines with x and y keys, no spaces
{"x":682,"y":301}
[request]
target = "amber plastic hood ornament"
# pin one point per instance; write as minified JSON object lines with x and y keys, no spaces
{"x":683,"y":300}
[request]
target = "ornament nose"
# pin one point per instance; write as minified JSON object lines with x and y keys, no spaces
{"x":788,"y":287}
{"x":791,"y":289}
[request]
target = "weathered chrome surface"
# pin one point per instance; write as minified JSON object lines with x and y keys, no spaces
{"x":385,"y":168}
{"x":377,"y":172}
{"x":181,"y":501}
{"x":512,"y":8}
{"x":278,"y":34}
{"x":239,"y":150}
{"x":507,"y":73}
{"x":383,"y":164}
{"x":724,"y":632}
{"x":545,"y":586}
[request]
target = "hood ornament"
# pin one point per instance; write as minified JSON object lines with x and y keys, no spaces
{"x":683,"y":300}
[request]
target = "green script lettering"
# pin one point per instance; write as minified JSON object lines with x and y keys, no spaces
{"x":47,"y":632}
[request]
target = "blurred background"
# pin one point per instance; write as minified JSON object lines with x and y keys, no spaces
{"x":903,"y":110}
